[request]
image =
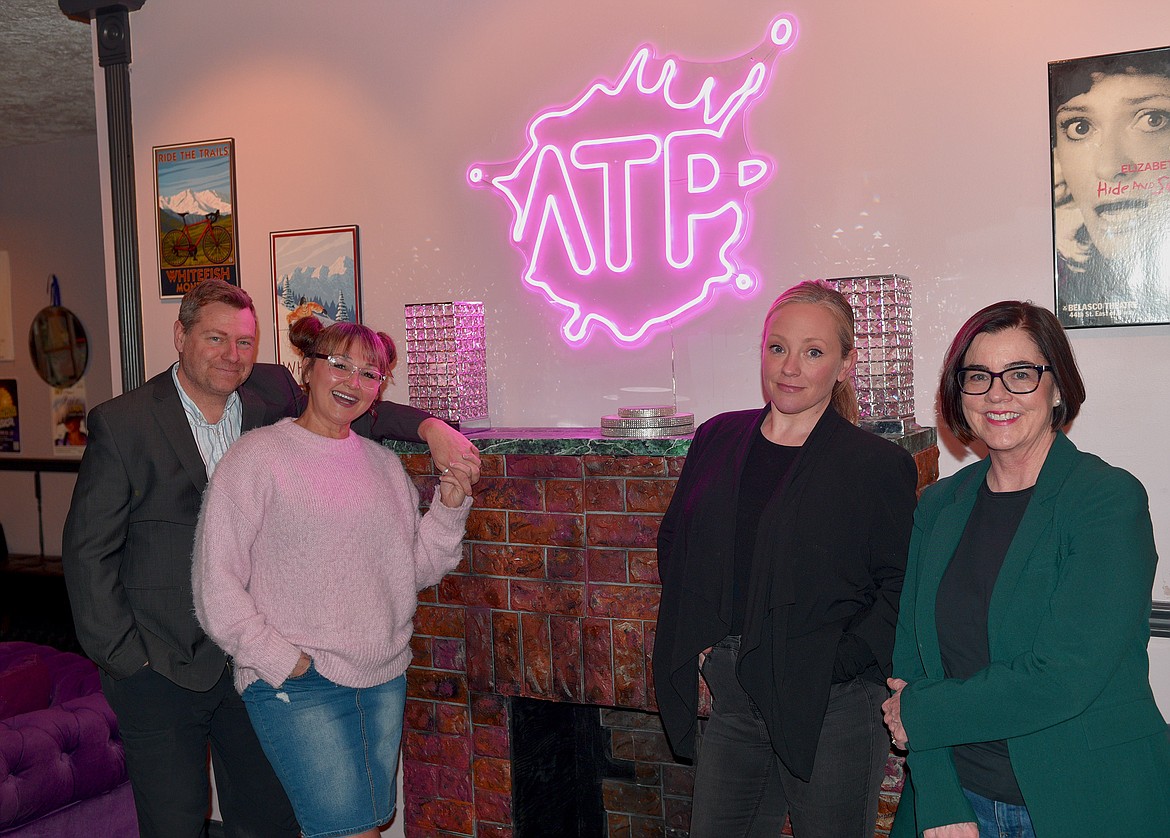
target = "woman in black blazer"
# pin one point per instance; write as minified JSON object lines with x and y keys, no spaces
{"x":781,"y":558}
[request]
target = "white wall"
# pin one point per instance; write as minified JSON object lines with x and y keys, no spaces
{"x":912,"y":137}
{"x":50,"y":223}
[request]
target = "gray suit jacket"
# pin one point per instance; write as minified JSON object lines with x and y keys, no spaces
{"x":131,"y":524}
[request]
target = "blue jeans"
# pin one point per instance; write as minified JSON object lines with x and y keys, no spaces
{"x":334,"y":748}
{"x":742,"y":790}
{"x":1000,"y":820}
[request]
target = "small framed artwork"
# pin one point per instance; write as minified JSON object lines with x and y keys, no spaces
{"x":1110,"y":135}
{"x":68,"y":412}
{"x":315,"y":273}
{"x":9,"y":417}
{"x":195,"y":186}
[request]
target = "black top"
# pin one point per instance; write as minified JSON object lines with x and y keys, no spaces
{"x":964,"y":596}
{"x":828,"y":562}
{"x":765,"y":469}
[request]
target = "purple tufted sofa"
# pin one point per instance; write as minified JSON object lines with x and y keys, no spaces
{"x":62,"y":770}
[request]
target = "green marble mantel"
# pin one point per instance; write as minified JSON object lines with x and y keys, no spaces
{"x":581,"y":441}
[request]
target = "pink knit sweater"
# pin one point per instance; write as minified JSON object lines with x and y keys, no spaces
{"x":316,"y":544}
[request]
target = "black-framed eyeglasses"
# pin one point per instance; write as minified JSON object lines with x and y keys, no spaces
{"x":343,"y":369}
{"x":1019,"y":380}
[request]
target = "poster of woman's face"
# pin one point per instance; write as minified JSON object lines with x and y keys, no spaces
{"x":1111,"y":188}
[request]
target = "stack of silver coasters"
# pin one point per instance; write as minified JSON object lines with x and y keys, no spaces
{"x":651,"y":422}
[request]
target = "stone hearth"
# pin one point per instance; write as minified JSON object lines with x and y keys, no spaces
{"x":556,"y":600}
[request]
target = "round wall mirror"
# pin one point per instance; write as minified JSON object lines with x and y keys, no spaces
{"x":59,"y":349}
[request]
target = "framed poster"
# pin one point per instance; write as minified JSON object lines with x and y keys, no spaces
{"x":68,"y":412}
{"x":9,"y":417}
{"x":196,"y":223}
{"x":1110,"y":135}
{"x":315,"y":273}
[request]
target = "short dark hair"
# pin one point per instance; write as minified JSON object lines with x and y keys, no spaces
{"x":213,"y":291}
{"x":1049,"y":337}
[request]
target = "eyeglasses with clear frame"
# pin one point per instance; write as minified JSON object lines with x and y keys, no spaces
{"x":343,"y":369}
{"x":1019,"y":380}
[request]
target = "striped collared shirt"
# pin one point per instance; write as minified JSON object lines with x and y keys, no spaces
{"x":213,"y":440}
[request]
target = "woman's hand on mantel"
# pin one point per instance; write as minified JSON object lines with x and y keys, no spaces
{"x":448,"y":446}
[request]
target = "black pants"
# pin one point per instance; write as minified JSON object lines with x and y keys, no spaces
{"x":742,"y":790}
{"x":166,"y":730}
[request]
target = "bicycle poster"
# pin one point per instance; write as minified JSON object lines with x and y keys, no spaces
{"x":196,"y":186}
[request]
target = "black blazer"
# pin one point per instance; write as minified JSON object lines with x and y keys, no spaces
{"x":829,"y":561}
{"x":131,"y":524}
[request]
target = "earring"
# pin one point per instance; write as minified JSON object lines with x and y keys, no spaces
{"x":1056,"y":403}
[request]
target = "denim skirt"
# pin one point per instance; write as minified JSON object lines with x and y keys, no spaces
{"x":334,"y":748}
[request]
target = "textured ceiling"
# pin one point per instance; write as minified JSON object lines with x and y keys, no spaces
{"x":46,"y":74}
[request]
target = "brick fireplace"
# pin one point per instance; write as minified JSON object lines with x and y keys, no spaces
{"x":555,"y":600}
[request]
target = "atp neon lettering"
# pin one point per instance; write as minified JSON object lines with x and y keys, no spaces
{"x":630,"y":205}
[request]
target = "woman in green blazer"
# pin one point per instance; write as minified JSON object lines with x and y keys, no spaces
{"x":1021,"y":676}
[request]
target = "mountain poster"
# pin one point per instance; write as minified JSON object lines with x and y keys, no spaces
{"x":315,"y":273}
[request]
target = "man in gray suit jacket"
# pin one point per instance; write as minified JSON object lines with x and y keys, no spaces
{"x":127,"y":558}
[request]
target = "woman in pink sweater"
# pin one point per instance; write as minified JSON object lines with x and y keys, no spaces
{"x":309,"y":553}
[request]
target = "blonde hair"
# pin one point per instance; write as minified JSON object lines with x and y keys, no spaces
{"x":820,"y":293}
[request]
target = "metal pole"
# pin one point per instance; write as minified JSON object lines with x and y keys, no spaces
{"x":113,"y":45}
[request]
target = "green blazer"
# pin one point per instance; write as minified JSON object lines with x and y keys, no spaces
{"x":1068,"y":686}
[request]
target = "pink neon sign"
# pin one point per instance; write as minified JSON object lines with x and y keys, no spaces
{"x":630,"y":204}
